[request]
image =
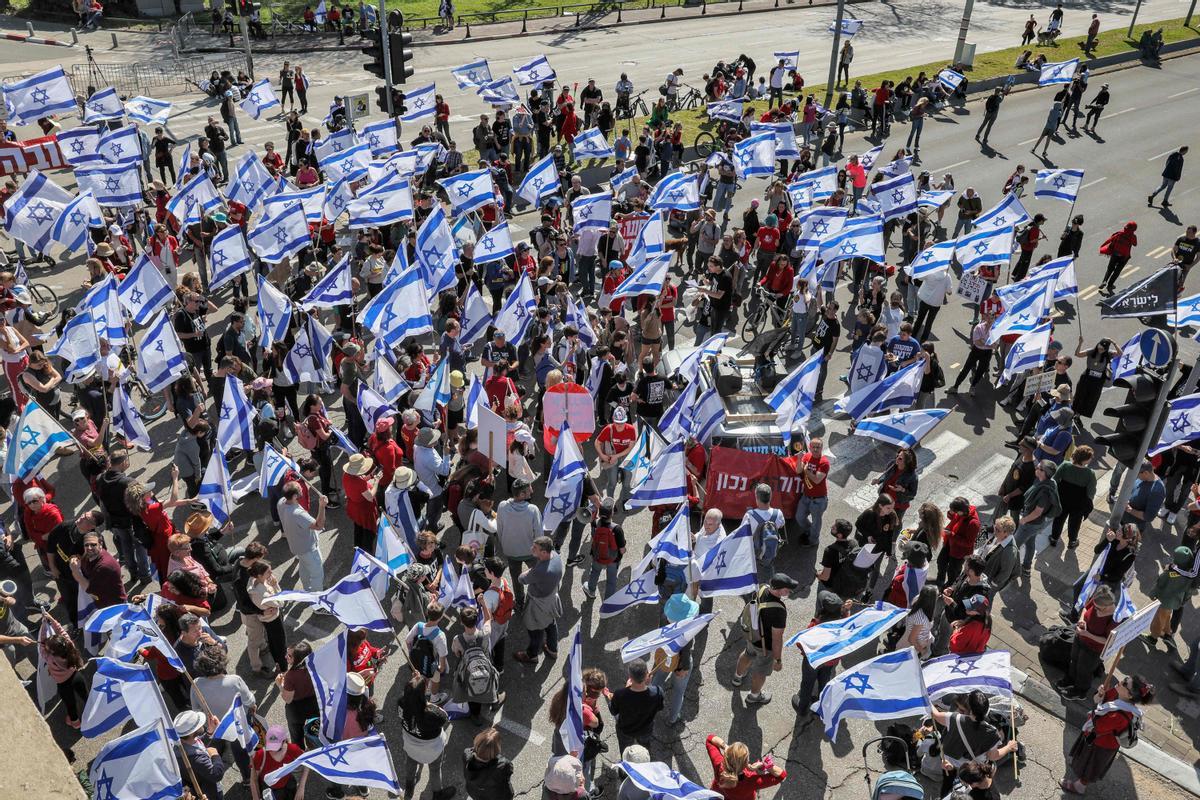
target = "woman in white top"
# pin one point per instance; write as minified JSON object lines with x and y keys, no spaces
{"x":918,"y":625}
{"x":892,"y":315}
{"x":14,"y":350}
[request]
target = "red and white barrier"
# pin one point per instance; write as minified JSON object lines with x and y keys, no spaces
{"x":20,"y":37}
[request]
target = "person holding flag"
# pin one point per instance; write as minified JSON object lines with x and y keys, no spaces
{"x":276,"y":751}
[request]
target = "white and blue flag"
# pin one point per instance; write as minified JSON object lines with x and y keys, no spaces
{"x":902,"y":428}
{"x":121,"y":692}
{"x":676,"y":421}
{"x":1058,"y":72}
{"x":148,"y":110}
{"x":541,"y":181}
{"x":500,"y":93}
{"x":104,"y":305}
{"x":800,"y":195}
{"x":689,"y":368}
{"x":468,"y":191}
{"x":984,"y":247}
{"x":935,"y":198}
{"x":517,"y":312}
{"x":333,"y":290}
{"x":640,"y":589}
{"x":838,"y":638}
{"x":353,"y":163}
{"x":495,"y":245}
{"x":454,"y":589}
{"x":274,"y":313}
{"x":989,"y":672}
{"x":280,"y":236}
{"x":121,"y":146}
{"x":885,"y":687}
{"x":364,"y":761}
{"x":80,"y":145}
{"x":646,"y":279}
{"x":234,"y":726}
{"x":623,"y":177}
{"x":1058,"y":184}
{"x":327,"y":669}
{"x":1182,"y":425}
{"x":35,"y":440}
{"x":676,"y":192}
{"x":850,"y":26}
{"x":112,"y":184}
{"x":818,"y":224}
{"x":535,"y":72}
{"x":235,"y":428}
{"x":1027,"y":352}
{"x":31,"y":211}
{"x":228,"y":257}
{"x":896,"y":167}
{"x":671,"y":639}
{"x":73,"y":228}
{"x":215,"y":491}
{"x":380,"y":136}
{"x":1091,"y":581}
{"x":868,"y":159}
{"x":1061,"y":273}
{"x":420,"y":103}
{"x":390,"y":548}
{"x":755,"y":155}
{"x":666,"y":484}
{"x":932,"y":260}
{"x":313,"y":201}
{"x":1009,"y":212}
{"x":437,"y":254}
{"x":42,"y":95}
{"x":785,"y":137}
{"x":126,"y":421}
{"x":160,"y":357}
{"x":592,"y":144}
{"x":795,"y":409}
{"x":382,"y":204}
{"x":897,"y":196}
{"x":476,"y":316}
{"x":564,"y":483}
{"x":350,"y":600}
{"x":708,"y":416}
{"x":252,"y":183}
{"x":571,"y":728}
{"x":260,"y":99}
{"x":729,"y":567}
{"x":473,"y":75}
{"x":728,"y":110}
{"x":790,"y":58}
{"x":275,"y":466}
{"x":104,"y":105}
{"x":138,"y":766}
{"x":309,"y":358}
{"x":660,"y":781}
{"x":144,"y":290}
{"x":860,"y":237}
{"x":400,"y":311}
{"x":1024,"y":314}
{"x":337,"y":199}
{"x":651,"y":241}
{"x":951,"y":79}
{"x":898,"y":390}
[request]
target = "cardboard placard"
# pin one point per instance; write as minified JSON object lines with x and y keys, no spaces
{"x":972,"y":287}
{"x":1041,"y":382}
{"x":493,"y":435}
{"x":1129,"y":630}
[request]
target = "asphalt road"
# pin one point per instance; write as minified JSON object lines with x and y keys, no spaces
{"x":1150,"y":115}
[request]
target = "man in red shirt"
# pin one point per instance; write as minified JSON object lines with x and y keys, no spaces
{"x":766,"y":243}
{"x":813,"y":468}
{"x":1028,"y":240}
{"x":612,"y":446}
{"x":499,"y":387}
{"x":98,"y":573}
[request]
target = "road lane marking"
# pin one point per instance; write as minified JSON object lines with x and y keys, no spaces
{"x":1160,"y":155}
{"x":1093,"y":183}
{"x":1185,"y":91}
{"x":951,"y":166}
{"x":943,"y":447}
{"x":980,"y":484}
{"x":1122,"y":111}
{"x":524,"y":731}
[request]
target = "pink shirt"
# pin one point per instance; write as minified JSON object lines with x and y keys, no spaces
{"x":857,"y":174}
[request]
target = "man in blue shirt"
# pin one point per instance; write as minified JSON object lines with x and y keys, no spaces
{"x":903,"y":349}
{"x":1147,"y":498}
{"x":1054,"y":441}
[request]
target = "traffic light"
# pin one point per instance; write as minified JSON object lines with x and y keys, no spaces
{"x":1133,"y":417}
{"x":375,"y":52}
{"x":398,"y":102}
{"x":400,"y":50}
{"x":381,"y":98}
{"x":398,"y":106}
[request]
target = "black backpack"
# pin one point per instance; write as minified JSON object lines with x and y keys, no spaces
{"x":847,"y":580}
{"x":423,"y":655}
{"x":1054,"y":646}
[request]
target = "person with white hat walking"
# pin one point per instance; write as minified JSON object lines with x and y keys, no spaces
{"x":207,"y":769}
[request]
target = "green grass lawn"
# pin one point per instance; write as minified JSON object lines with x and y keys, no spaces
{"x":418,"y":9}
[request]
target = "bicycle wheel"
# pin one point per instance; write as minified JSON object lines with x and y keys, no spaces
{"x":45,"y":301}
{"x":751,"y":323}
{"x":150,"y":405}
{"x":705,"y":144}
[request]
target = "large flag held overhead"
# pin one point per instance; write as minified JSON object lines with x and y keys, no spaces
{"x":473,"y":75}
{"x":32,"y":210}
{"x":161,"y":361}
{"x":667,"y":482}
{"x":540,"y":182}
{"x":535,"y":72}
{"x":676,"y":192}
{"x":898,"y":390}
{"x":1027,"y":352}
{"x":111,"y":184}
{"x":669,"y":638}
{"x":126,"y":421}
{"x":885,"y":687}
{"x":400,"y":311}
{"x":932,"y":260}
{"x":591,"y":211}
{"x":986,"y":247}
{"x":274,"y":313}
{"x":795,"y":404}
{"x":364,"y":761}
{"x":282,"y":235}
{"x":102,"y":106}
{"x":592,"y":144}
{"x":755,"y":155}
{"x":72,"y":229}
{"x":42,"y":95}
{"x":1024,"y":314}
{"x":421,"y":103}
{"x":729,"y":568}
{"x":989,"y":672}
{"x":390,"y":548}
{"x":818,"y":224}
{"x":897,"y":196}
{"x":1008,"y":212}
{"x":350,"y":600}
{"x":380,"y":136}
{"x":832,"y":640}
{"x":495,"y":245}
{"x":468,"y":191}
{"x":1182,"y":425}
{"x":518,"y":310}
{"x":1058,"y":184}
{"x":36,"y":439}
{"x":646,"y":279}
{"x":235,"y":428}
{"x":327,"y":670}
{"x":144,"y":290}
{"x":564,"y":483}
{"x":1058,"y":72}
{"x":147,"y":110}
{"x":275,"y":466}
{"x":640,"y":589}
{"x":260,"y":99}
{"x":902,"y":428}
{"x":861,"y":237}
{"x":385,"y":203}
{"x":140,"y":765}
{"x":437,"y":253}
{"x":333,"y":290}
{"x":214,"y":488}
{"x":252,"y":183}
{"x":121,"y":692}
{"x":229,"y":257}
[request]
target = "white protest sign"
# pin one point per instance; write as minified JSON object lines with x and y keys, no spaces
{"x":1129,"y":630}
{"x":972,"y":287}
{"x":493,"y":435}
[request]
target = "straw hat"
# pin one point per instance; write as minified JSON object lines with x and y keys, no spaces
{"x":199,"y":523}
{"x":404,"y":478}
{"x":359,"y":465}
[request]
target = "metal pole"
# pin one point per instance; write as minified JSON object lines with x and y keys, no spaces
{"x":387,"y":59}
{"x":1133,"y":19}
{"x":968,"y":6}
{"x":245,"y":26}
{"x":833,"y":54}
{"x":1187,"y":21}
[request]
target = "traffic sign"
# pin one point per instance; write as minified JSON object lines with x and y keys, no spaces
{"x":358,"y":106}
{"x":1156,"y":348}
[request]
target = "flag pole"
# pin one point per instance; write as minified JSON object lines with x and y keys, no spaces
{"x":1012,"y":724}
{"x":187,"y":764}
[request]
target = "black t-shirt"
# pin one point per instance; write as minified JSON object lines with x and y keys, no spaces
{"x":635,"y":711}
{"x":827,"y":332}
{"x":722,"y":282}
{"x":64,"y":541}
{"x":185,"y":323}
{"x":1020,"y":476}
{"x":587,"y":93}
{"x":870,"y":525}
{"x":1187,"y":248}
{"x":770,"y":616}
{"x":652,"y":392}
{"x":832,"y":556}
{"x":618,"y":395}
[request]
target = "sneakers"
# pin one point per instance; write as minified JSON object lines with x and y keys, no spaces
{"x":801,"y":710}
{"x":760,"y":699}
{"x":1171,"y":518}
{"x":439,"y":698}
{"x":589,"y":593}
{"x":736,"y":680}
{"x":1150,"y":641}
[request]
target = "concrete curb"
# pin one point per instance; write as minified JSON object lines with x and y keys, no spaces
{"x":590,"y":26}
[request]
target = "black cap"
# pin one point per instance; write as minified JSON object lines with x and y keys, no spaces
{"x":781,"y":580}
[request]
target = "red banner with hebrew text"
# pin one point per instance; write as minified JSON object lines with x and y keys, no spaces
{"x":42,"y":153}
{"x":733,"y":474}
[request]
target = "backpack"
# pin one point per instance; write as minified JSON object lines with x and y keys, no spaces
{"x":476,"y":673}
{"x":304,"y":434}
{"x":423,"y":655}
{"x":505,"y":606}
{"x":671,"y":573}
{"x":846,"y":580}
{"x":1054,"y":646}
{"x":768,"y":542}
{"x":604,"y":545}
{"x":749,"y":619}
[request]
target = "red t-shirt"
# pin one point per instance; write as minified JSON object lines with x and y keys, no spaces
{"x":667,"y":306}
{"x":161,"y":528}
{"x":363,"y":658}
{"x":39,"y":524}
{"x":618,"y":440}
{"x":821,"y":465}
{"x":265,"y":763}
{"x":970,"y":639}
{"x":768,"y":239}
{"x":361,"y":511}
{"x":749,"y":783}
{"x":1108,"y":726}
{"x":778,"y":280}
{"x":1095,"y":625}
{"x":408,"y":439}
{"x":389,"y":456}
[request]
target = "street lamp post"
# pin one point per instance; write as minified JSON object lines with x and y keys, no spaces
{"x":968,"y":6}
{"x":833,"y":55}
{"x":1133,"y":19}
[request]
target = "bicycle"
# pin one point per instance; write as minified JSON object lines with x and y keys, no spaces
{"x":150,"y":405}
{"x":764,"y":313}
{"x":724,"y":138}
{"x":45,"y":300}
{"x":636,"y":107}
{"x":693,"y":99}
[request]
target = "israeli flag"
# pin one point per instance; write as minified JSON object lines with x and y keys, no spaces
{"x":1058,"y":184}
{"x":382,"y":204}
{"x":333,"y":290}
{"x":138,"y":766}
{"x":31,"y":211}
{"x":646,"y":279}
{"x":281,"y":236}
{"x":80,"y":145}
{"x":500,"y":93}
{"x":1091,"y":581}
{"x":540,"y":182}
{"x":898,"y":390}
{"x":260,"y":99}
{"x":1008,"y":212}
{"x":310,"y":357}
{"x":185,"y":160}
{"x":437,"y":255}
{"x":228,"y":257}
{"x":932,"y":260}
{"x":902,"y":428}
{"x":935,"y":198}
{"x":637,"y":462}
{"x":795,"y":410}
{"x":454,"y":590}
{"x":676,"y":192}
{"x":274,"y":314}
{"x":676,"y":422}
{"x":708,"y":417}
{"x":950,"y":79}
{"x":494,"y":245}
{"x":400,"y":311}
{"x":350,"y":600}
{"x":790,"y":58}
{"x":476,"y":317}
{"x":1183,"y":416}
{"x":251,"y":182}
{"x":275,"y":466}
{"x":391,"y":548}
{"x":235,"y":429}
{"x":373,"y":570}
{"x":897,"y":196}
{"x":838,"y":638}
{"x":640,"y":589}
{"x":819,"y":224}
{"x":1058,"y":72}
{"x":729,"y":567}
{"x":669,"y":638}
{"x":728,"y":110}
{"x":342,"y":441}
{"x":571,"y":729}
{"x":984,"y":247}
{"x":103,"y":304}
{"x":235,"y":727}
{"x":469,"y":191}
{"x":111,"y":184}
{"x":850,"y":26}
{"x":754,"y":156}
{"x":897,"y":167}
{"x":823,"y":181}
{"x":1028,"y":352}
{"x":197,"y":194}
{"x":312,"y":199}
{"x":160,"y":357}
{"x":102,"y":106}
{"x":364,"y":761}
{"x":518,"y":310}
{"x":351,"y":163}
{"x":121,"y":146}
{"x":689,"y":368}
{"x":421,"y":103}
{"x":673,"y":544}
{"x":148,"y":110}
{"x":327,"y":669}
{"x":36,"y":438}
{"x":536,"y":72}
{"x":42,"y":95}
{"x":1186,"y":312}
{"x":623,"y":177}
{"x":72,"y":229}
{"x":592,"y":144}
{"x":144,"y":290}
{"x":651,"y":241}
{"x":214,"y":488}
{"x":126,"y":421}
{"x":659,"y":780}
{"x":335,"y":144}
{"x":121,"y":692}
{"x":800,"y":195}
{"x":861,"y":237}
{"x":577,"y":315}
{"x":667,"y":482}
{"x":990,"y":673}
{"x":564,"y":484}
{"x":785,"y":137}
{"x":1060,"y":272}
{"x":380,"y":136}
{"x":472,"y":75}
{"x":1024,"y":314}
{"x":885,"y":687}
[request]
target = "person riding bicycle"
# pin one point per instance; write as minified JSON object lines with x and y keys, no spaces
{"x":624,"y":89}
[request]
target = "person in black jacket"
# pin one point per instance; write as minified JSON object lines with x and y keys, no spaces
{"x":487,"y":775}
{"x":1072,"y":238}
{"x":1095,"y":109}
{"x":1172,"y":172}
{"x":111,"y":486}
{"x":218,"y":562}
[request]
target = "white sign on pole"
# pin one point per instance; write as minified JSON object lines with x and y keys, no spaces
{"x":1129,"y":630}
{"x":493,"y":435}
{"x":972,"y":287}
{"x":1041,"y":382}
